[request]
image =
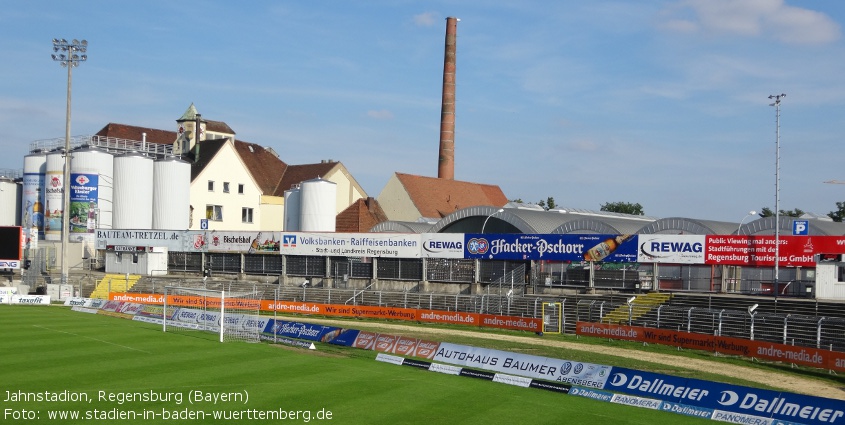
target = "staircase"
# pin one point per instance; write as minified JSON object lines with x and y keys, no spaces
{"x":114,"y":283}
{"x":641,"y":306}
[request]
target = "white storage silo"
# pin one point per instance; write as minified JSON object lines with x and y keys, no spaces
{"x":171,"y":194}
{"x":91,"y":189}
{"x":10,"y":198}
{"x":53,"y":190}
{"x":32,"y":199}
{"x":133,"y":192}
{"x":292,"y":209}
{"x":318,"y":205}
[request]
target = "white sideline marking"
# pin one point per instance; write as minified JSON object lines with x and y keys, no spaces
{"x":95,"y":339}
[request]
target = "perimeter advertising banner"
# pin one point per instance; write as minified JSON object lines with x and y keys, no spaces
{"x":726,"y":397}
{"x":804,"y":356}
{"x":391,"y":245}
{"x":673,"y":249}
{"x":793,"y":251}
{"x":571,"y":372}
{"x":443,"y":245}
{"x":611,"y":248}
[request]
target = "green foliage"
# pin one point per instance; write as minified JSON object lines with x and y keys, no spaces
{"x":623,"y":207}
{"x":767,"y":212}
{"x":839,"y":214}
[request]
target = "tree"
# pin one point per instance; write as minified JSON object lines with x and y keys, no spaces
{"x":767,"y":212}
{"x":550,"y":202}
{"x":839,"y":214}
{"x":623,"y":207}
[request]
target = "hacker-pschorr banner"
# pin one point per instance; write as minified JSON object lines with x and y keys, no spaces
{"x":549,"y":369}
{"x":393,"y":245}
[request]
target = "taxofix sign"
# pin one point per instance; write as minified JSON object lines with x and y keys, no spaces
{"x":725,"y":397}
{"x":571,"y":372}
{"x":612,"y":248}
{"x":392,"y":245}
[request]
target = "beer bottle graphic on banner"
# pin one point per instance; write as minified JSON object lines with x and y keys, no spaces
{"x":256,"y":243}
{"x":605,"y":248}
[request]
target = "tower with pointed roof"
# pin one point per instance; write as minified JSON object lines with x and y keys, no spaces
{"x":190,"y":130}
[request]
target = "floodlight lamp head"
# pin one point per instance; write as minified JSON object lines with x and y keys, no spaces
{"x":304,"y":283}
{"x":510,"y":293}
{"x":752,"y":212}
{"x":752,"y":308}
{"x":631,"y":300}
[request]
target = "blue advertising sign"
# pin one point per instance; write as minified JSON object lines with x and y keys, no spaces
{"x":725,"y":397}
{"x":83,"y":202}
{"x":305,"y":330}
{"x":610,"y":248}
{"x":801,"y":227}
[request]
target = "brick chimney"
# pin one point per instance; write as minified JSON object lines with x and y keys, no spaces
{"x":446,"y":160}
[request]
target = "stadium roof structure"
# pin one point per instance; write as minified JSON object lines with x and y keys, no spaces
{"x":532,"y":219}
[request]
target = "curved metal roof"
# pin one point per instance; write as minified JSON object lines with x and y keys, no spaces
{"x":528,"y":220}
{"x":401,"y":227}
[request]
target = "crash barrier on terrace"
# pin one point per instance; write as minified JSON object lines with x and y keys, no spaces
{"x":820,"y":332}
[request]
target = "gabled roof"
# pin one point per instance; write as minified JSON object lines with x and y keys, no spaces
{"x":437,"y":198}
{"x":361,"y":216}
{"x":131,"y":132}
{"x":266,"y":168}
{"x":295,"y":174}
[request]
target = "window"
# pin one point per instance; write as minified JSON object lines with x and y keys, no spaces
{"x":211,"y":185}
{"x":225,"y":187}
{"x":214,"y":212}
{"x":240,"y":189}
{"x":246,"y":215}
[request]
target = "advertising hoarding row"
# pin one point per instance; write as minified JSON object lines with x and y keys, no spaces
{"x":743,"y":250}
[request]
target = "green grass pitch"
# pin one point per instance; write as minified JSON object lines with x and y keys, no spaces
{"x":53,"y":353}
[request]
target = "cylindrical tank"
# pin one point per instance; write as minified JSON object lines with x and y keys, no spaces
{"x":292,"y":209}
{"x":133,"y":192}
{"x":318,"y":199}
{"x":10,"y":201}
{"x":171,"y":194}
{"x":91,"y":189}
{"x":32,"y":199}
{"x":53,"y":191}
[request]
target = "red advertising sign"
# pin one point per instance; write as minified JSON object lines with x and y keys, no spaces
{"x":806,"y":356}
{"x":793,"y":251}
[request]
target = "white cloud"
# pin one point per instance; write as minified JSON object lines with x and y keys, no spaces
{"x":380,"y":115}
{"x":751,"y":18}
{"x":426,"y":19}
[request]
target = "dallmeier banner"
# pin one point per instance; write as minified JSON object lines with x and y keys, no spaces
{"x":726,"y":397}
{"x":392,"y":245}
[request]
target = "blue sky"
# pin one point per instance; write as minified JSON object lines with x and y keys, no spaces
{"x":662,"y":103}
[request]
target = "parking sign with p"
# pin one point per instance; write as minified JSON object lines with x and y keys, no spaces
{"x":800,"y":227}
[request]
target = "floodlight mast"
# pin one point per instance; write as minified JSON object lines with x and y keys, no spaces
{"x":69,"y":58}
{"x":776,"y":104}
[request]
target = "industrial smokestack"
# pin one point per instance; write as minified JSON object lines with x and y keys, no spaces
{"x":446,"y":160}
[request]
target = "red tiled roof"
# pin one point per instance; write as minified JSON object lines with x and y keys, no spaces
{"x":295,"y":174}
{"x":360,"y":217}
{"x":266,"y":168}
{"x":437,"y":198}
{"x":131,"y":132}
